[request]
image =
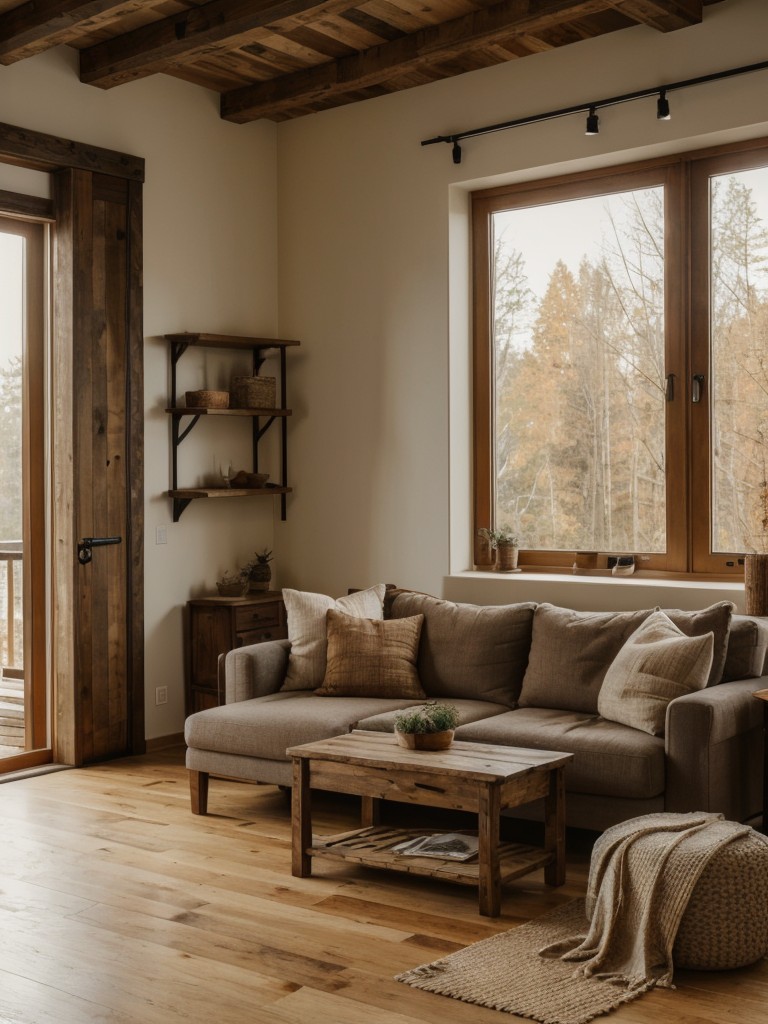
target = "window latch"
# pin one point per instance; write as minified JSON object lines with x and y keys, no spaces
{"x":697,"y":386}
{"x":669,"y":390}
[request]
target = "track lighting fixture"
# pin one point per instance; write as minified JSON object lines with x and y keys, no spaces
{"x":593,"y":121}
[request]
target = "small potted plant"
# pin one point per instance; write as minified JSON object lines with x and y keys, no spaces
{"x":428,"y":727}
{"x":505,"y":543}
{"x":258,"y":572}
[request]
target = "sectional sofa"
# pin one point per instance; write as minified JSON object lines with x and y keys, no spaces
{"x":523,"y":675}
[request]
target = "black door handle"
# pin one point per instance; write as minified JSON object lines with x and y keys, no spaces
{"x":84,"y":552}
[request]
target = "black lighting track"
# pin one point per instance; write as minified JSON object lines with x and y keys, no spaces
{"x":593,"y":106}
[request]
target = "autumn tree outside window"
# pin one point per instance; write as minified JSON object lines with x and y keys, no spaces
{"x":621,"y":362}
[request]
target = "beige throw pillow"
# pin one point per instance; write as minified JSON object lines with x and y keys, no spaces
{"x":306,"y":613}
{"x":658,"y":663}
{"x":372,"y":657}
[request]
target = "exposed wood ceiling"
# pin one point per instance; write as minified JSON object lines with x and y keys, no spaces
{"x":280,"y":59}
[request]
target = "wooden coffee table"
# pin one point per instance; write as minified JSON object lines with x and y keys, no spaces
{"x":482,"y":778}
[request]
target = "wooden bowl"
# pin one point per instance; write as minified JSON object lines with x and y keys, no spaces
{"x":248,"y":481}
{"x":425,"y":740}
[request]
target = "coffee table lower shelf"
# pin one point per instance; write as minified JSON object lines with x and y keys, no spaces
{"x":372,"y":847}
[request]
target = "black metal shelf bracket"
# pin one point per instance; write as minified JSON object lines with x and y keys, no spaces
{"x":179,"y":504}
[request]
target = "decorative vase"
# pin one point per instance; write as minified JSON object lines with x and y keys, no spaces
{"x":425,"y":740}
{"x":506,"y":558}
{"x":756,"y":584}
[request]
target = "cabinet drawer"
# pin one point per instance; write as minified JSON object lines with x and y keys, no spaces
{"x":257,"y":616}
{"x":260,"y":636}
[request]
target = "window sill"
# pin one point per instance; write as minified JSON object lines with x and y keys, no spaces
{"x":590,"y":593}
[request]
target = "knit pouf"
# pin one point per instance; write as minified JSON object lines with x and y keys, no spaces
{"x":725,"y":924}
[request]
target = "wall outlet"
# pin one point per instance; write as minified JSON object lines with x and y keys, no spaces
{"x":161,"y":695}
{"x":161,"y":535}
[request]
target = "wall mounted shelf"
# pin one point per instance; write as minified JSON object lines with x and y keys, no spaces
{"x":259,"y":348}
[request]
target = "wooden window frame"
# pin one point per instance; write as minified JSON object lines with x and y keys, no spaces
{"x":686,"y":180}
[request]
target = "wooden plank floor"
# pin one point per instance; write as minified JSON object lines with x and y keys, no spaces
{"x":118,"y":906}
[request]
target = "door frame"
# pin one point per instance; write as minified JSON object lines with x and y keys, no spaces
{"x":71,"y":165}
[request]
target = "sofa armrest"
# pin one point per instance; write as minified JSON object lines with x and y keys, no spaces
{"x":256,"y":670}
{"x":714,"y":748}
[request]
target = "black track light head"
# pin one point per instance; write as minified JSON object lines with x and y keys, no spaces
{"x":456,"y":152}
{"x":593,"y":122}
{"x":662,"y":106}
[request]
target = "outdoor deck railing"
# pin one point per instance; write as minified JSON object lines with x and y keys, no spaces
{"x":11,"y":635}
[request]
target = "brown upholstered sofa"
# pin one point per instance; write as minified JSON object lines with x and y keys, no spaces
{"x":524,"y":675}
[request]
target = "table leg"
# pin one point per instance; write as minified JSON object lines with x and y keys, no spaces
{"x":489,"y":880}
{"x":369,"y":811}
{"x":554,"y":827}
{"x":301,"y":819}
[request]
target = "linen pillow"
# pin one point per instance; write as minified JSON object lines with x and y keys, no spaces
{"x":471,"y":652}
{"x":305,"y":613}
{"x":372,"y":657}
{"x":658,"y":663}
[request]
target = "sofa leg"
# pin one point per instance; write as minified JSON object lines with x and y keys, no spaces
{"x":198,"y":791}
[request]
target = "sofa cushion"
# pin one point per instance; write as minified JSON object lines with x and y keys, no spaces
{"x":609,"y":759}
{"x":469,"y":711}
{"x":265,"y":726}
{"x":305,"y":613}
{"x":747,"y":645}
{"x":372,"y":657}
{"x":715,"y":619}
{"x":571,"y":651}
{"x":470,"y":651}
{"x":658,"y":663}
{"x":570,"y":654}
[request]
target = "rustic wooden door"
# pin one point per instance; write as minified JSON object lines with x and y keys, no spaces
{"x":99,"y":535}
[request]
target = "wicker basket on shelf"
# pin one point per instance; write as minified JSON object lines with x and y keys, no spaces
{"x":206,"y":399}
{"x":253,"y":392}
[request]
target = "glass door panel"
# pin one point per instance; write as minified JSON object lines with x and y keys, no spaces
{"x":24,"y":732}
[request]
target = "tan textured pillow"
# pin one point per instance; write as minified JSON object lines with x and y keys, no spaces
{"x":372,"y":657}
{"x":306,"y":613}
{"x":658,"y":663}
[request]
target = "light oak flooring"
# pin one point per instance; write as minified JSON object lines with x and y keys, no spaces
{"x":118,"y":906}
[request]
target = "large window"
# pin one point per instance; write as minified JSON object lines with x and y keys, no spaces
{"x":621,"y":362}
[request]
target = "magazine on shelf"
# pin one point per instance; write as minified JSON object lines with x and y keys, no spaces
{"x":444,"y":845}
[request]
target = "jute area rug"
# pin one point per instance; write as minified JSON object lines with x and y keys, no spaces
{"x":506,"y":973}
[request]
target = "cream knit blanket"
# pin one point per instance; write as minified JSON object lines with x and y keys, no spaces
{"x":641,"y":877}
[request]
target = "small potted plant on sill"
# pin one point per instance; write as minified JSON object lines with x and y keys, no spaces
{"x":428,"y":727}
{"x":505,"y":543}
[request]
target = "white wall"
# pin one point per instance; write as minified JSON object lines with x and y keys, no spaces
{"x":373,"y":279}
{"x":210,"y":249}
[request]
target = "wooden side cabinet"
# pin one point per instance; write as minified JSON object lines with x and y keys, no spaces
{"x":216,"y":625}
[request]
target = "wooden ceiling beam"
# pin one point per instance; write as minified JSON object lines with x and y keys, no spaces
{"x":41,"y":24}
{"x":215,"y":25}
{"x":664,"y":15}
{"x":429,"y":46}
